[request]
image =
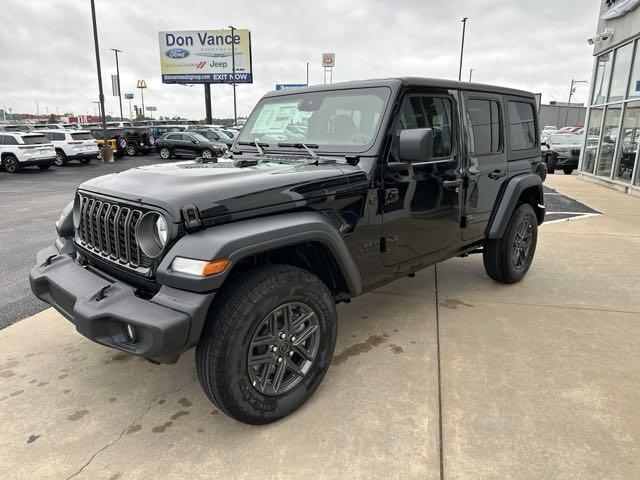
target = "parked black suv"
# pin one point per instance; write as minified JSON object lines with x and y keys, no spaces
{"x":245,"y":257}
{"x":139,"y":140}
{"x":175,"y":144}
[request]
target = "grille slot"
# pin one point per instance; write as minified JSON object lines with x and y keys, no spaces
{"x":109,"y":229}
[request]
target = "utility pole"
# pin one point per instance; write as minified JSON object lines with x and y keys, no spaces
{"x":464,"y":29}
{"x":142,"y":85}
{"x":118,"y":77}
{"x":107,"y":154}
{"x":572,"y":90}
{"x":207,"y":103}
{"x":233,"y":70}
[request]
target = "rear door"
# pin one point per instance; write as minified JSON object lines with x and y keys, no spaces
{"x":486,"y":159}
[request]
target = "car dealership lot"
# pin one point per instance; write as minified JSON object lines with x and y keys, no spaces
{"x":539,"y":379}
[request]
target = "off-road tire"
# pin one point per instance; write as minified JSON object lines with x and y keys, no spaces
{"x":131,"y":150}
{"x":498,"y":254}
{"x":567,"y":171}
{"x":165,"y":153}
{"x":237,"y":313}
{"x":11,"y":164}
{"x":61,"y":158}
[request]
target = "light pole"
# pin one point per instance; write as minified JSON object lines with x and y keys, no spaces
{"x":142,"y":85}
{"x":572,"y":90}
{"x":307,"y":74}
{"x":464,"y":29}
{"x":471,"y":70}
{"x":107,"y":154}
{"x":233,"y":70}
{"x":118,"y":77}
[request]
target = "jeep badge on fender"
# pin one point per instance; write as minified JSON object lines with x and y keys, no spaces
{"x":327,"y":192}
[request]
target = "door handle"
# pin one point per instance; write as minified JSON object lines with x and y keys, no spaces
{"x":497,"y":174}
{"x":449,"y":184}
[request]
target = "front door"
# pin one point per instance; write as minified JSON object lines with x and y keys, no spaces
{"x":421,"y":214}
{"x":487,"y":160}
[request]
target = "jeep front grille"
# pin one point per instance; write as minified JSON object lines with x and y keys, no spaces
{"x":109,"y":229}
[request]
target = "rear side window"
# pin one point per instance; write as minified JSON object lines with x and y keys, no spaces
{"x":429,"y":112}
{"x":522,"y":126}
{"x":485,"y":126}
{"x":81,"y":136}
{"x":34,"y":139}
{"x":58,"y":136}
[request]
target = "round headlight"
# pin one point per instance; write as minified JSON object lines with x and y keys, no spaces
{"x":152,"y":233}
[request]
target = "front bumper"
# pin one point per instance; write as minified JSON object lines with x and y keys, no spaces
{"x":563,"y":161}
{"x":166,"y":325}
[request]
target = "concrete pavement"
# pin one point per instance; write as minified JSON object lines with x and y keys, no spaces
{"x":540,"y":380}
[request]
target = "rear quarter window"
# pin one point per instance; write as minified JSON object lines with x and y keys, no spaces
{"x":522,"y":126}
{"x":81,"y":136}
{"x":34,"y":139}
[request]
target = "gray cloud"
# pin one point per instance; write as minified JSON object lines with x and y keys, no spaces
{"x":48,"y":53}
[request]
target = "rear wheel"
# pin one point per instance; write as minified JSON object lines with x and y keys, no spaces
{"x":567,"y":171}
{"x":61,"y":158}
{"x":507,"y":259}
{"x":11,"y":164}
{"x":131,"y":150}
{"x":267,"y":344}
{"x":165,"y":153}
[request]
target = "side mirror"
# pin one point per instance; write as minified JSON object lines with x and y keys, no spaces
{"x":193,"y":140}
{"x":416,"y":145}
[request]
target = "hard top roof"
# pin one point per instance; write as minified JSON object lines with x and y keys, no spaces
{"x":406,"y":82}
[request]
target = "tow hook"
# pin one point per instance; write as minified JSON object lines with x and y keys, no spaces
{"x":101,"y":293}
{"x":47,"y":262}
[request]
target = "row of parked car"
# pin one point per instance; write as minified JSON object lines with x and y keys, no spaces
{"x":45,"y":145}
{"x":561,"y":148}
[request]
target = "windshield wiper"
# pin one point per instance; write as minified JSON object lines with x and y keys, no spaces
{"x":308,"y":148}
{"x":256,"y":144}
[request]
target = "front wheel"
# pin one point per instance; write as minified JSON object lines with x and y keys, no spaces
{"x":165,"y":153}
{"x":131,"y":150}
{"x":267,"y":344}
{"x":206,"y":153}
{"x":61,"y":158}
{"x":567,"y":171}
{"x":507,"y":259}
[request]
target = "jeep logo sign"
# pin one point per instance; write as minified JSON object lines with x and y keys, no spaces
{"x":618,"y":8}
{"x":177,"y":53}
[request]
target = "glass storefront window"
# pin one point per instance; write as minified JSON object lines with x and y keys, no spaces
{"x":620,"y":75}
{"x":603,"y":72}
{"x":609,"y":139}
{"x":634,"y":85}
{"x":593,"y":139}
{"x":628,"y":142}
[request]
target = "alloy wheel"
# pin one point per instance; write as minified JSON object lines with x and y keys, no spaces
{"x":283,"y":348}
{"x":522,"y":244}
{"x":59,"y":161}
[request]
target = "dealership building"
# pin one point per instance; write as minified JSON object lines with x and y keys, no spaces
{"x":612,"y":134}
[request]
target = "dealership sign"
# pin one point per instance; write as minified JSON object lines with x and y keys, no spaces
{"x":618,"y":8}
{"x":205,"y":56}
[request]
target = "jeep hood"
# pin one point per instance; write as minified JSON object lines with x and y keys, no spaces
{"x":221,"y":189}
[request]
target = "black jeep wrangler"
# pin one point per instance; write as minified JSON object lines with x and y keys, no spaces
{"x":246,"y":256}
{"x":138,"y":140}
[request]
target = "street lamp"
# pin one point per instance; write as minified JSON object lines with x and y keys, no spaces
{"x":233,"y":70}
{"x":464,"y":29}
{"x":118,"y":77}
{"x":572,"y":90}
{"x":107,"y":154}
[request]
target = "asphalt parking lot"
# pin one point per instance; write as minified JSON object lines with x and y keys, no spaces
{"x":537,"y":380}
{"x":30,"y":203}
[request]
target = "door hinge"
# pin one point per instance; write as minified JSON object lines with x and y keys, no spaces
{"x":191,"y":216}
{"x":391,"y":195}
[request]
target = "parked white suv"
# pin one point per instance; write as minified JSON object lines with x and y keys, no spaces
{"x":18,"y":150}
{"x":72,"y":145}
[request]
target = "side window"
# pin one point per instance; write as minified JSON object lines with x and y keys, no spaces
{"x":484,"y":126}
{"x":2,"y":140}
{"x":522,"y":126}
{"x":420,"y":111}
{"x":171,"y":136}
{"x":57,"y":137}
{"x":9,"y":140}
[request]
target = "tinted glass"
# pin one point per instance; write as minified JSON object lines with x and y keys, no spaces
{"x":522,"y":126}
{"x":608,"y":140}
{"x":9,"y":140}
{"x":428,"y":112}
{"x":198,"y":137}
{"x":81,"y":136}
{"x":58,"y":136}
{"x":603,"y":72}
{"x":620,"y":75}
{"x":483,"y":120}
{"x":628,"y":142}
{"x":34,"y":139}
{"x":634,"y":85}
{"x":593,"y":139}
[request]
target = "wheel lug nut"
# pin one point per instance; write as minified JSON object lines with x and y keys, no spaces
{"x":274,"y":349}
{"x":282,"y":335}
{"x":279,"y":359}
{"x":291,"y":353}
{"x":293,"y":339}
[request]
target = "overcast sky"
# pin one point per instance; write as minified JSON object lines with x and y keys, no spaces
{"x":48,"y":56}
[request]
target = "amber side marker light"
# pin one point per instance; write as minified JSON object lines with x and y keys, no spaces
{"x":199,"y":268}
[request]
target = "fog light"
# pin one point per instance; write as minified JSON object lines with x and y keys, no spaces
{"x":131,"y":333}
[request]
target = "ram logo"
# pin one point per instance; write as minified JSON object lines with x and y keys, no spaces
{"x":177,"y":53}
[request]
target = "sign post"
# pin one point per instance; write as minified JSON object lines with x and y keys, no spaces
{"x":142,"y":85}
{"x":328,"y":62}
{"x":129,"y":96}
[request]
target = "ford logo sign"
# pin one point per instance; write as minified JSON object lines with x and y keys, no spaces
{"x":177,"y":53}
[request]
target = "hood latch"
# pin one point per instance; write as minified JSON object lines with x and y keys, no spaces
{"x":191,"y":216}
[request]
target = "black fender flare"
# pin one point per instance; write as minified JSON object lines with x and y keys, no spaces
{"x":511,"y":192}
{"x":238,"y":240}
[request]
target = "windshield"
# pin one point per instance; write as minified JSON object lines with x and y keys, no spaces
{"x":81,"y":136}
{"x":337,"y":120}
{"x":34,"y":139}
{"x":566,"y":139}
